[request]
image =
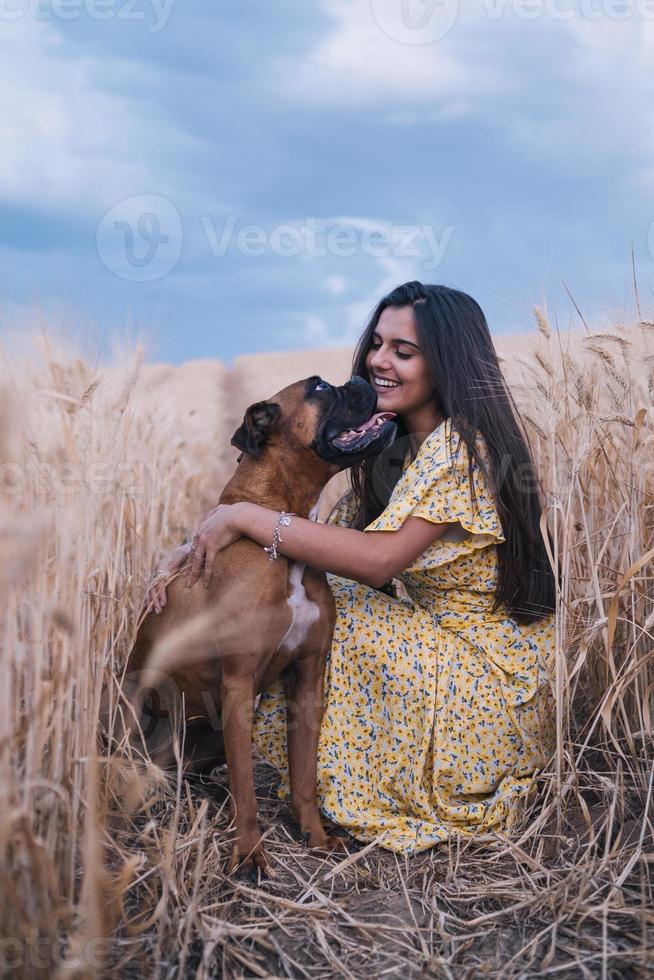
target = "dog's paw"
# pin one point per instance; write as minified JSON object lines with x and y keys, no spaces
{"x":321,"y":842}
{"x":252,"y":864}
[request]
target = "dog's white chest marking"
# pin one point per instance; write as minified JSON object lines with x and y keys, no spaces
{"x":304,"y":612}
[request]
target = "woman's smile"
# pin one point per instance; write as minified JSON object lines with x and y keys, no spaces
{"x":384,"y":386}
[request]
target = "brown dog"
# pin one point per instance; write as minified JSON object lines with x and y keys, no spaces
{"x":212,"y":650}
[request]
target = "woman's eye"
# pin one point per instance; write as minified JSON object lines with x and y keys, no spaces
{"x":403,"y":357}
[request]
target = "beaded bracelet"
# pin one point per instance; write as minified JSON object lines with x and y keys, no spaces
{"x":284,"y":520}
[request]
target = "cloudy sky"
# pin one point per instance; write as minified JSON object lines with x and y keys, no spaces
{"x":226,"y":177}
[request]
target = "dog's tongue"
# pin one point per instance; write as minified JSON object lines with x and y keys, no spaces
{"x":375,"y":419}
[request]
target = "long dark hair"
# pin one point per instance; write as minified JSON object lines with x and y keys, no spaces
{"x":470,"y":390}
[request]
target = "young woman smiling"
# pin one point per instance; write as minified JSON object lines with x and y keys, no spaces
{"x":437,"y":706}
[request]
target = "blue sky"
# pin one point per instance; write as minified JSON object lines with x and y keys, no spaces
{"x":222,"y":178}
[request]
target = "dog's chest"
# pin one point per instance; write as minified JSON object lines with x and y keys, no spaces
{"x":304,"y":612}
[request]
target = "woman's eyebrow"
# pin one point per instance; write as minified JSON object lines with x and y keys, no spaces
{"x":398,"y":340}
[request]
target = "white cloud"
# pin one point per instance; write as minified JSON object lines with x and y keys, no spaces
{"x":66,"y":143}
{"x":599,"y":117}
{"x":613,"y":64}
{"x":336,"y":285}
{"x":316,"y":331}
{"x":357,"y":64}
{"x":557,"y":87}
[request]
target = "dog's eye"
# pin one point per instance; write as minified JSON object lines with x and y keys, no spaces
{"x":321,"y":386}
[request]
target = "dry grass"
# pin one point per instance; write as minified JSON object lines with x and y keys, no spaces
{"x":107,"y":868}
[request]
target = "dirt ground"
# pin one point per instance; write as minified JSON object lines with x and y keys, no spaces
{"x":458,"y":911}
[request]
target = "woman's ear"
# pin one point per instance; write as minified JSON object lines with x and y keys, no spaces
{"x":252,"y":435}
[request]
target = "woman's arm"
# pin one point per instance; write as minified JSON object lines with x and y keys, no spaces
{"x":371,"y":557}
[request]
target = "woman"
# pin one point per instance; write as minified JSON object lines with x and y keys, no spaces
{"x":437,"y":704}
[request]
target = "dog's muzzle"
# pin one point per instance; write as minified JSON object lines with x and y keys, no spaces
{"x":350,"y":428}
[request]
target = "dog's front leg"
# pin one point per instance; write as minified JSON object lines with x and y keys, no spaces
{"x":237,"y":713}
{"x":303,"y":683}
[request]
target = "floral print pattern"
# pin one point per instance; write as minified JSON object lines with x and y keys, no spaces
{"x":438,"y":711}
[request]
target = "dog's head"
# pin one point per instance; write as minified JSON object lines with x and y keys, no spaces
{"x":338,"y":424}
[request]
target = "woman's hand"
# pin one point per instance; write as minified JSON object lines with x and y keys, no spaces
{"x":218,"y":530}
{"x":169,"y":565}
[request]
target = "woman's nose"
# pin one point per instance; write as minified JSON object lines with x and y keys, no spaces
{"x":379,"y":358}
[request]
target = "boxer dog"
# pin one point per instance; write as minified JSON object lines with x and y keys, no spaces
{"x":202,"y":661}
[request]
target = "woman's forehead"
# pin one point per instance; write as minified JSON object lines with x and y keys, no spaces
{"x":397,"y":323}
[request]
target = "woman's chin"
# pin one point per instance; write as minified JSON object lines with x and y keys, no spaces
{"x":387,"y":397}
{"x":389,"y":403}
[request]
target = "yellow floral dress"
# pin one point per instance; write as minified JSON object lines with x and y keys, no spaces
{"x":438,"y":712}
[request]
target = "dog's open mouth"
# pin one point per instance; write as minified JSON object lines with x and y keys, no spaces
{"x":359,"y":438}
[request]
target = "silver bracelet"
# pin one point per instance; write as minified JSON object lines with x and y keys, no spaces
{"x":284,"y":520}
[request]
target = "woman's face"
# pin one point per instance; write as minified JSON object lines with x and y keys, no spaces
{"x":396,"y":367}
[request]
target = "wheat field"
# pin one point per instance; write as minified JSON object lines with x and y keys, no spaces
{"x":107,"y":868}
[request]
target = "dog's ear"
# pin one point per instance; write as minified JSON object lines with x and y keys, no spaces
{"x":252,"y":435}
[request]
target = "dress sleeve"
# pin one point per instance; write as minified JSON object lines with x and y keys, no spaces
{"x":435,"y":486}
{"x":344,"y":512}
